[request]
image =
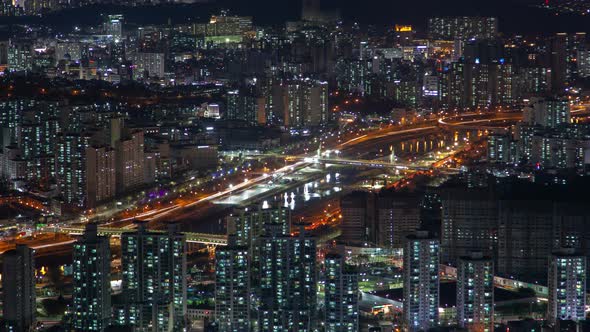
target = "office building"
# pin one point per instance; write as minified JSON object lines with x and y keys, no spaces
{"x":421,"y":281}
{"x":18,"y":289}
{"x":91,"y":297}
{"x":567,"y":286}
{"x":341,"y":295}
{"x":232,"y":287}
{"x":475,"y":292}
{"x":154,"y":280}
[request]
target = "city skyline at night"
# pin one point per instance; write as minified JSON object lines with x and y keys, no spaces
{"x":296,"y":165}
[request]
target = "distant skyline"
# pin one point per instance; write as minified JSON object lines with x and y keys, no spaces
{"x":517,"y":17}
{"x":514,"y":15}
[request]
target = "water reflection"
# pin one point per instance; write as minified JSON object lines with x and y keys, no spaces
{"x":415,"y":147}
{"x":321,"y":188}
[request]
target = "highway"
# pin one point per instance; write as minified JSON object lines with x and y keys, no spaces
{"x":232,"y":189}
{"x":211,"y":239}
{"x":363,"y":143}
{"x":166,"y":213}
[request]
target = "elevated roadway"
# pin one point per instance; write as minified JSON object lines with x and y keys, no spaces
{"x":209,"y":239}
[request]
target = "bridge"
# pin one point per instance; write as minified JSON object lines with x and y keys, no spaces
{"x":365,"y":163}
{"x":377,"y":163}
{"x":202,"y":238}
{"x":490,"y":124}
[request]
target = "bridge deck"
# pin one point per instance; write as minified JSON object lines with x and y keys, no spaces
{"x":216,"y":239}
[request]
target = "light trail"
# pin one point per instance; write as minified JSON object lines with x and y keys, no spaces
{"x":237,"y":187}
{"x":154,"y":215}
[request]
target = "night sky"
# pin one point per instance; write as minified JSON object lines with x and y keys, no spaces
{"x":516,"y":16}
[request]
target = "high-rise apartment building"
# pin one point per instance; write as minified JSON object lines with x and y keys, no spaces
{"x":130,"y":159}
{"x":565,"y":66}
{"x":91,"y":297}
{"x":20,"y":55}
{"x":583,"y":59}
{"x":341,"y":295}
{"x":307,"y":103}
{"x":383,"y":220}
{"x":232,"y":287}
{"x":475,"y":292}
{"x":357,"y":217}
{"x":533,"y":80}
{"x":154,"y":280}
{"x":396,"y":217}
{"x":100,"y":174}
{"x":464,"y":28}
{"x":469,"y":222}
{"x":287,"y":283}
{"x":503,"y":148}
{"x":567,"y":286}
{"x":71,"y":167}
{"x":246,"y":107}
{"x":37,"y":139}
{"x":247,"y":225}
{"x":549,"y":112}
{"x":18,"y":289}
{"x":525,"y":233}
{"x":421,"y":281}
{"x":148,"y":64}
